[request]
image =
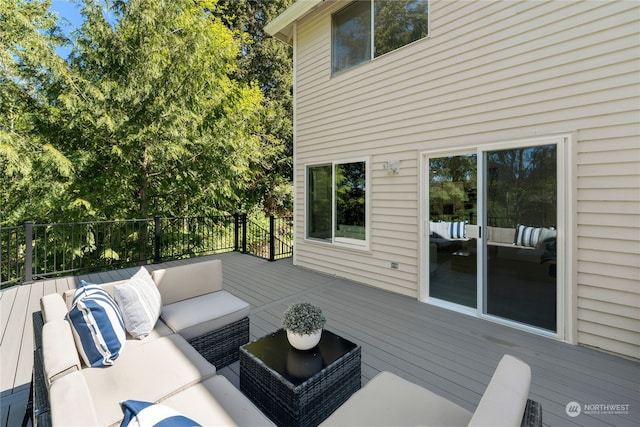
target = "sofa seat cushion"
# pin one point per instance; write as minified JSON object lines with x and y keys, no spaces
{"x":151,"y":371}
{"x":196,"y":316}
{"x":216,"y":402}
{"x":388,"y":400}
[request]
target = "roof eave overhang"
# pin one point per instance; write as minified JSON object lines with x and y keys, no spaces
{"x":282,"y":26}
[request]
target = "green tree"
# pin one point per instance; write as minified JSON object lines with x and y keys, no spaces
{"x":159,"y":126}
{"x":267,"y":62}
{"x":33,"y":171}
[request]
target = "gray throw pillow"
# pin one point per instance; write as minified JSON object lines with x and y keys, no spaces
{"x":140,"y":303}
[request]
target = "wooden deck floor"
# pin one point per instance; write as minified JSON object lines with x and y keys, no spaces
{"x":449,"y":353}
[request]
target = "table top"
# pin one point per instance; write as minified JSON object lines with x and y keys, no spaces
{"x":297,"y":366}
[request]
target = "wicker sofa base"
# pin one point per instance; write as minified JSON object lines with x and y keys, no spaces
{"x":40,"y":415}
{"x":222,"y":346}
{"x":532,"y":414}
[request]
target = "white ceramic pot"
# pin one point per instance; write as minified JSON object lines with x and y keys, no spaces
{"x":304,"y":342}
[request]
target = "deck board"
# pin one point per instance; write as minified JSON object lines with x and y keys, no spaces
{"x":449,"y":353}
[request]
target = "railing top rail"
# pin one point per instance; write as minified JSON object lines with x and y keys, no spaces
{"x":12,"y":228}
{"x":112,"y":221}
{"x":117,"y":221}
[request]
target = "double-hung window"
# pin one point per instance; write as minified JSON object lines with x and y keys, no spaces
{"x":337,"y":203}
{"x":366,"y":29}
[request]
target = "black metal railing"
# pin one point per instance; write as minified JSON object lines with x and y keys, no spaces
{"x":271,"y":243}
{"x":37,"y":251}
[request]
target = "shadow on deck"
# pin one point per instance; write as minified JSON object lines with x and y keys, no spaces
{"x":449,"y":353}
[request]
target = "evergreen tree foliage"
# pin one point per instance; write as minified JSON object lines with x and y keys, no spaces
{"x":268,"y":62}
{"x":162,"y":125}
{"x":157,"y":111}
{"x":33,"y":171}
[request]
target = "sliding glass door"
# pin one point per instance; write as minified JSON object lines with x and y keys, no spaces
{"x":492,"y":226}
{"x":453,"y":229}
{"x":521,"y":227}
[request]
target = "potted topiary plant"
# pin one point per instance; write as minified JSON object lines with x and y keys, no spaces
{"x":303,"y":322}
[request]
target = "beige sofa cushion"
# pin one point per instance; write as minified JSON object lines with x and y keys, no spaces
{"x":71,"y":403}
{"x":59,"y":353}
{"x":68,"y":295}
{"x":53,"y":307}
{"x":500,"y":235}
{"x":505,"y":398}
{"x":188,"y":281}
{"x":216,"y":402}
{"x":388,"y":400}
{"x":151,"y":371}
{"x":197,"y":316}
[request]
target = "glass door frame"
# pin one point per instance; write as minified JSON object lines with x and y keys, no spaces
{"x":566,"y":305}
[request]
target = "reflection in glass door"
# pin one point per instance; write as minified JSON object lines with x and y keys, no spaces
{"x":453,"y":229}
{"x":520,"y":239}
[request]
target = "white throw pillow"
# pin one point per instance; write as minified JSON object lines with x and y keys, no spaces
{"x":140,"y":303}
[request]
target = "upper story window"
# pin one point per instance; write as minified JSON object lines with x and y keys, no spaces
{"x":366,"y":29}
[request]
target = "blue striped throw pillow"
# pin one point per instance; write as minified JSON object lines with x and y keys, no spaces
{"x":458,"y":230}
{"x":146,"y":414}
{"x":97,"y":325}
{"x":528,"y":236}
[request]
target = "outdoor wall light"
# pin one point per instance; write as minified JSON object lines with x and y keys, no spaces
{"x":392,"y":167}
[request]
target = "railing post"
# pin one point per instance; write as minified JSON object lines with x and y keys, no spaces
{"x":272,"y":238}
{"x":236,"y":235}
{"x":244,"y":233}
{"x":157,"y":239}
{"x":28,"y":252}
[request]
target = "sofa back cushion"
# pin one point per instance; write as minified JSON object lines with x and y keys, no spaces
{"x":500,"y":235}
{"x":202,"y":278}
{"x":503,"y":402}
{"x":97,"y":325}
{"x":68,"y":296}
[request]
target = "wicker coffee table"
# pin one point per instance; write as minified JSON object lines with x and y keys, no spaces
{"x":299,"y":388}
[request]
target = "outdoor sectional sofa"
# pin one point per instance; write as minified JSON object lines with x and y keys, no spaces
{"x":173,"y":365}
{"x":388,"y":400}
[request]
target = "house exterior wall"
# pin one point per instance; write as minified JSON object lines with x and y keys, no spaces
{"x":488,"y":72}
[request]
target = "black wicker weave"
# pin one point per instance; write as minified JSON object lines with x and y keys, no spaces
{"x":40,"y":394}
{"x":221,"y":347}
{"x":532,"y":414}
{"x":305,"y":404}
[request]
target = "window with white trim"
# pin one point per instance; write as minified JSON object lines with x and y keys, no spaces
{"x":395,"y":23}
{"x":337,"y":203}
